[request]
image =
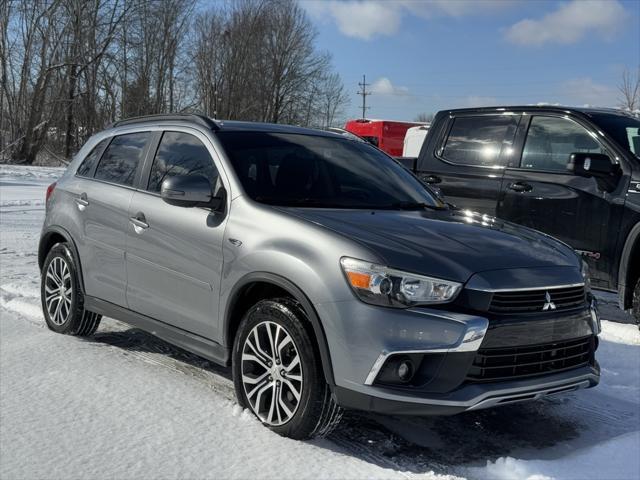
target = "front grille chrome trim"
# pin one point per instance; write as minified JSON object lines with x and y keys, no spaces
{"x":525,"y":289}
{"x":534,"y":301}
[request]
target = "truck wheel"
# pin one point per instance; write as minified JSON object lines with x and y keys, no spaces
{"x":635,"y":303}
{"x":277,"y":371}
{"x":62,"y":301}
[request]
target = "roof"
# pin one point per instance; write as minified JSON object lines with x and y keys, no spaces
{"x":238,"y":126}
{"x":221,"y":125}
{"x":543,"y":108}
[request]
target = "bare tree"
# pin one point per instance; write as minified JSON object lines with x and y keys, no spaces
{"x":69,"y":67}
{"x":630,"y":90}
{"x":47,"y":47}
{"x":424,"y":117}
{"x":256,"y":60}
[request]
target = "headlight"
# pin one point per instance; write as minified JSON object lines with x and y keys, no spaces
{"x":380,"y":285}
{"x":586,"y":276}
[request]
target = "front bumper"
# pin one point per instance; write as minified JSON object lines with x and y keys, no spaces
{"x":469,"y":397}
{"x":445,"y":345}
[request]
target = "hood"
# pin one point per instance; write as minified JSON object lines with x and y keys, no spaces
{"x":448,"y":244}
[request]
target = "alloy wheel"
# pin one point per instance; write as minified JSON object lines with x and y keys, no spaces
{"x":271,"y":373}
{"x":58,"y":290}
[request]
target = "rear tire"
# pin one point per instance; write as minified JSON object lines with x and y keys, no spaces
{"x":62,"y":300}
{"x":277,"y":371}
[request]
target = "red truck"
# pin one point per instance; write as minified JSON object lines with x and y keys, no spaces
{"x":387,"y":135}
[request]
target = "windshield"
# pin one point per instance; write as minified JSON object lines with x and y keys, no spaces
{"x":624,"y":129}
{"x":322,"y":172}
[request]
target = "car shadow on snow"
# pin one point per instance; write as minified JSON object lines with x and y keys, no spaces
{"x":144,"y":344}
{"x":549,"y":428}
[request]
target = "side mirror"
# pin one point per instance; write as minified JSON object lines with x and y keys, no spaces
{"x":596,"y":165}
{"x":190,"y":191}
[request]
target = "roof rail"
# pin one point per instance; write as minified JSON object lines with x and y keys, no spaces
{"x":189,"y":117}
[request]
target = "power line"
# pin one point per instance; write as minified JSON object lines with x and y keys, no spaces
{"x":364,"y":94}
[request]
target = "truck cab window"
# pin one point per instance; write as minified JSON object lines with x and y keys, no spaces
{"x":550,"y":142}
{"x":478,"y":140}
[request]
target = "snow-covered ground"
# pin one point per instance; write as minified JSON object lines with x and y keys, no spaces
{"x":124,"y":404}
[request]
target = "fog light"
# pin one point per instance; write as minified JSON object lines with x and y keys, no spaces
{"x":405,"y":370}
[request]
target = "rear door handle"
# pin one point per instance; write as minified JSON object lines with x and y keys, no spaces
{"x":82,"y":201}
{"x":139,"y":223}
{"x":431,"y":179}
{"x":520,"y":187}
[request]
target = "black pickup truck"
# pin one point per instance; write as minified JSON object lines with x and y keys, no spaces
{"x":573,"y":173}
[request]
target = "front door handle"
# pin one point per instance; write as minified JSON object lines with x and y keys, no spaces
{"x":520,"y":187}
{"x":82,"y":201}
{"x":139,"y":223}
{"x":431,"y":179}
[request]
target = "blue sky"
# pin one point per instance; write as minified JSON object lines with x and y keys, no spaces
{"x":423,"y":56}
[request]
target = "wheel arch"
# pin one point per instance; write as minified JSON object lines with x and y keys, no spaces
{"x":49,"y":238}
{"x":629,"y":267}
{"x":240,"y":289}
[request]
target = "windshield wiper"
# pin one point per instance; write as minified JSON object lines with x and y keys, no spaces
{"x":416,"y":206}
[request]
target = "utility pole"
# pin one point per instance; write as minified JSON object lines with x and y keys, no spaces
{"x":364,"y":94}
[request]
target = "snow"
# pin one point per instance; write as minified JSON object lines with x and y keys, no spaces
{"x":621,"y":454}
{"x":620,"y":333}
{"x":124,"y":404}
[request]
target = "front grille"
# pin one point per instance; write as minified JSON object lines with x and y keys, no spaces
{"x":527,"y":301}
{"x":500,"y":364}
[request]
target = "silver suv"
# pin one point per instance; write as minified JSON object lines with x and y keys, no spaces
{"x":324,"y":272}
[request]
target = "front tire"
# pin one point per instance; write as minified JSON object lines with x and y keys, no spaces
{"x":62,"y":300}
{"x":277,"y":371}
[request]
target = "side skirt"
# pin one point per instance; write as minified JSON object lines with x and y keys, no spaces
{"x":176,"y":336}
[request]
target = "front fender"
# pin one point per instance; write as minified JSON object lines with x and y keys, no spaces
{"x":631,"y":244}
{"x":296,"y":293}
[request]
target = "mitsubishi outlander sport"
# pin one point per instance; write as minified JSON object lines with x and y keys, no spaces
{"x":321,"y":270}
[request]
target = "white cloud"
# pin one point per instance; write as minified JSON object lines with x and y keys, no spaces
{"x":383,"y":86}
{"x":584,"y":91}
{"x":570,"y":23}
{"x":366,"y":19}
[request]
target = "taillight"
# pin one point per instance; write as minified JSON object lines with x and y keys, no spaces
{"x":50,"y":190}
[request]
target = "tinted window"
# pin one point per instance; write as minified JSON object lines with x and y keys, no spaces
{"x":121,"y":158}
{"x":180,"y":154}
{"x":479,"y":140}
{"x":551,"y":140}
{"x":624,"y":129}
{"x":322,"y":172}
{"x":86,"y":167}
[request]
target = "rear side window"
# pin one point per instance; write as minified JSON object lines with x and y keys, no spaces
{"x":478,"y":141}
{"x":181,"y":154}
{"x":551,"y":141}
{"x":121,"y":158}
{"x":89,"y":162}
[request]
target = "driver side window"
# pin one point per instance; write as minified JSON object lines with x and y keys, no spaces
{"x":551,"y":141}
{"x":181,"y":154}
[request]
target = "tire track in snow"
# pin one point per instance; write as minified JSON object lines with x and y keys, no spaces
{"x":142,"y":346}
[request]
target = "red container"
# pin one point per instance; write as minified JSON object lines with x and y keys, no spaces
{"x":387,"y":135}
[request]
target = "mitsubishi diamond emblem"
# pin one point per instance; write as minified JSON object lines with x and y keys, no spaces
{"x":548,"y":304}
